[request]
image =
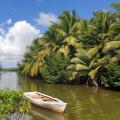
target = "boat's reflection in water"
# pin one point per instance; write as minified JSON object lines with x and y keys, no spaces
{"x":37,"y":113}
{"x":45,"y":114}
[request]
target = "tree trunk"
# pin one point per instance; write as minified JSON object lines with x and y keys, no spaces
{"x":95,"y":83}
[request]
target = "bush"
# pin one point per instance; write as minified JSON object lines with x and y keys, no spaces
{"x":111,"y":76}
{"x":11,"y":101}
{"x":55,"y":69}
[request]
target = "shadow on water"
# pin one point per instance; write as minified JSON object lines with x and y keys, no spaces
{"x":84,"y":103}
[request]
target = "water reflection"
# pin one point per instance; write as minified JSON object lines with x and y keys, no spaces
{"x":84,"y":103}
{"x":40,"y":113}
{"x":18,"y":116}
{"x":9,"y":80}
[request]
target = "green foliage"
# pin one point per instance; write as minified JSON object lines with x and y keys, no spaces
{"x":88,"y":43}
{"x":9,"y":69}
{"x":11,"y":101}
{"x":0,"y":67}
{"x":111,"y":76}
{"x":55,"y":69}
{"x":116,"y":6}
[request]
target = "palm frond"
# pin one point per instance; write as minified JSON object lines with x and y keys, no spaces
{"x":93,"y":51}
{"x":111,"y":46}
{"x":76,"y":60}
{"x":81,"y":67}
{"x":64,"y":50}
{"x":93,"y":73}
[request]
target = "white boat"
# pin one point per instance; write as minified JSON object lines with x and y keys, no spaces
{"x":46,"y":101}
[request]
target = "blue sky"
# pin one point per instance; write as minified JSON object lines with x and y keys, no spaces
{"x":23,"y":20}
{"x":29,"y":9}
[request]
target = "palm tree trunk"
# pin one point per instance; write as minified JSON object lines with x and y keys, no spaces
{"x":95,"y":83}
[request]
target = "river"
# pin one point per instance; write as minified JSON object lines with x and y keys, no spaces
{"x":84,"y":103}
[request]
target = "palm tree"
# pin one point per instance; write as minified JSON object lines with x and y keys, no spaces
{"x":116,"y":6}
{"x":34,"y":58}
{"x":62,"y":35}
{"x":103,"y":27}
{"x":89,"y":43}
{"x":88,"y":62}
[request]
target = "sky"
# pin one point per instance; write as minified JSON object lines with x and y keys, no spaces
{"x":23,"y":20}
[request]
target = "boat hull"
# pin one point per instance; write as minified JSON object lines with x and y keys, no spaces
{"x":58,"y":106}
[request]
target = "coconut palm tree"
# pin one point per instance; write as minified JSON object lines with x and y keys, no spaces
{"x":34,"y":58}
{"x":63,"y":34}
{"x":89,"y":43}
{"x":88,"y":62}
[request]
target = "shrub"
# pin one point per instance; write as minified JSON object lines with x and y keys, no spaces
{"x":111,"y":76}
{"x":11,"y":101}
{"x":55,"y":69}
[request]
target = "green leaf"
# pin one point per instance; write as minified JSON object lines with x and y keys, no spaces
{"x":93,"y":72}
{"x":92,"y":52}
{"x":111,"y":46}
{"x":81,"y":67}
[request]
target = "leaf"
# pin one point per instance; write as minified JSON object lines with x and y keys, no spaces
{"x":93,"y":51}
{"x":81,"y":67}
{"x":34,"y":68}
{"x":64,"y":50}
{"x":111,"y":46}
{"x":115,"y":59}
{"x":70,"y":40}
{"x":77,"y":60}
{"x":26,"y":68}
{"x":80,"y":52}
{"x":77,"y":25}
{"x":60,"y":32}
{"x":73,"y":75}
{"x":71,"y":67}
{"x":99,"y":62}
{"x":93,"y":72}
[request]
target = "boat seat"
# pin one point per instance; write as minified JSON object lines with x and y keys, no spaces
{"x":42,"y":98}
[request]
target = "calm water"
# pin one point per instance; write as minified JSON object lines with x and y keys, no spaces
{"x":84,"y":103}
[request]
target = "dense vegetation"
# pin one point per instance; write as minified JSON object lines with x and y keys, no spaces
{"x":11,"y":101}
{"x":75,"y":49}
{"x":111,"y":76}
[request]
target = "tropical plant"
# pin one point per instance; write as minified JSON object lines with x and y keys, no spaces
{"x":88,"y":43}
{"x":88,"y":62}
{"x":11,"y":101}
{"x":55,"y":69}
{"x":34,"y":58}
{"x":111,"y":76}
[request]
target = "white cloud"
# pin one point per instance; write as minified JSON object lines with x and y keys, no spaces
{"x":2,"y":32}
{"x":46,"y":19}
{"x":14,"y":41}
{"x":9,"y":21}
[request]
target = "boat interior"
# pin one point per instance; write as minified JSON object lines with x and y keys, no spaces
{"x":44,"y":98}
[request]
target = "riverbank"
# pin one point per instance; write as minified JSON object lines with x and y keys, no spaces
{"x":12,"y":101}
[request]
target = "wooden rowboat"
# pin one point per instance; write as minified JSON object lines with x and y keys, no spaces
{"x":46,"y":101}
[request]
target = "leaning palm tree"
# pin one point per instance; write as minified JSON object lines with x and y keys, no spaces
{"x":34,"y":58}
